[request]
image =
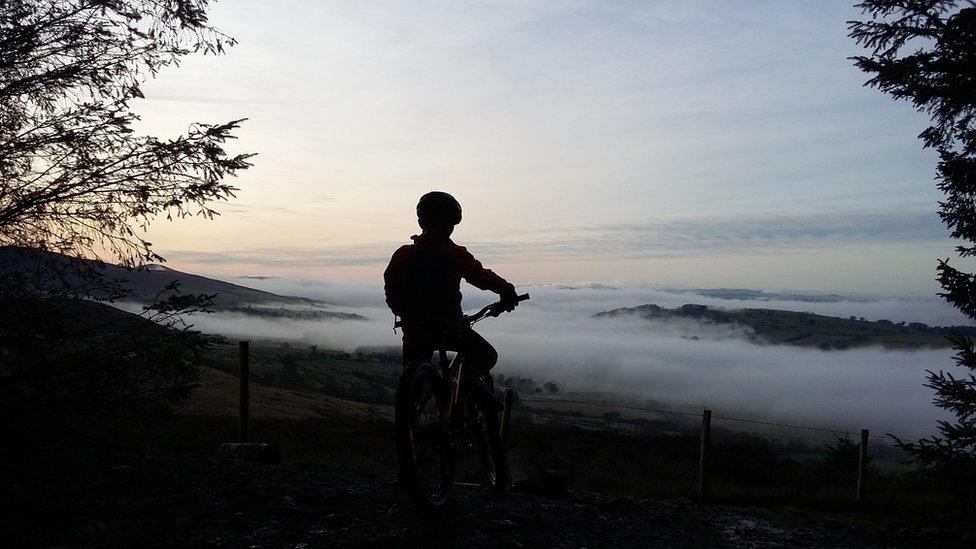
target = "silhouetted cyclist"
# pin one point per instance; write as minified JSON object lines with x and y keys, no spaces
{"x":423,"y":286}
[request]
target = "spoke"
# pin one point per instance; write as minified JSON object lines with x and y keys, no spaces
{"x":422,"y":402}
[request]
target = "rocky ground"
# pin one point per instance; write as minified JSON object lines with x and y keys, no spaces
{"x":192,"y":500}
{"x":162,"y":483}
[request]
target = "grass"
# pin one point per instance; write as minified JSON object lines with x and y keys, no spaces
{"x":810,"y":329}
{"x":329,"y":373}
{"x":335,"y":408}
{"x":219,"y":391}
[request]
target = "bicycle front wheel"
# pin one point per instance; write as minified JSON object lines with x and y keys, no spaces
{"x":486,"y":432}
{"x":422,"y":440}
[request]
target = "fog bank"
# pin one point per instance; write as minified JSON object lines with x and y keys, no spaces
{"x":554,"y":337}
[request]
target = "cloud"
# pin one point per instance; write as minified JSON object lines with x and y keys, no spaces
{"x":865,"y":388}
{"x":254,"y":211}
{"x":585,"y":299}
{"x":611,"y":115}
{"x":732,"y":234}
{"x":291,"y":257}
{"x":554,"y":337}
{"x":654,"y":239}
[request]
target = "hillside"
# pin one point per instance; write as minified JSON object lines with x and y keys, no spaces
{"x":144,"y":285}
{"x":629,"y":475}
{"x":778,"y":327}
{"x":163,"y":483}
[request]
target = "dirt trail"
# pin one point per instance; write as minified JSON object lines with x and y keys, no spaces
{"x":162,"y":484}
{"x":200,"y":500}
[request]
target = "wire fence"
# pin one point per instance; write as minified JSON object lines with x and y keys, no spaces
{"x":852,"y":456}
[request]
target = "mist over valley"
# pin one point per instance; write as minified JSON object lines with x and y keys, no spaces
{"x":684,"y":361}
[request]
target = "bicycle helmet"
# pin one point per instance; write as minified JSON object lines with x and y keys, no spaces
{"x":438,"y":209}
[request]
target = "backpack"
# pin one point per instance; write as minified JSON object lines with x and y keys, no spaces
{"x":428,"y":287}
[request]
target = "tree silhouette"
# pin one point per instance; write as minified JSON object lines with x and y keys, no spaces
{"x":924,"y":51}
{"x":74,"y":176}
{"x":76,"y":179}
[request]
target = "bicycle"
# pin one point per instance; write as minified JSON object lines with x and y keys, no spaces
{"x":436,"y":411}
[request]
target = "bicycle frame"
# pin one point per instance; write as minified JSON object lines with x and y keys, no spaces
{"x":453,"y":372}
{"x":461,"y":417}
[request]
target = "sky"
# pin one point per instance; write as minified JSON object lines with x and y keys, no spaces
{"x":682,"y":144}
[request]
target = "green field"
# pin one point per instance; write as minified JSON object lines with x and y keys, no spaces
{"x":306,"y":368}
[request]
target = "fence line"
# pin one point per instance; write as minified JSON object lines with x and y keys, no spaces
{"x":634,"y":429}
{"x":698,"y":415}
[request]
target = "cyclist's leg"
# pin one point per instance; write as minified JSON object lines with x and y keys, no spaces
{"x":478,"y":353}
{"x":479,"y":358}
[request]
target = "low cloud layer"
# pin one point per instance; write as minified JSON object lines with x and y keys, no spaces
{"x":757,"y":233}
{"x":554,"y":337}
{"x":587,"y":299}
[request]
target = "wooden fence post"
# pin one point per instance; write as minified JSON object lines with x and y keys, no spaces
{"x":244,"y":377}
{"x":706,"y":429}
{"x":507,"y":412}
{"x":862,"y":466}
{"x":243,"y":449}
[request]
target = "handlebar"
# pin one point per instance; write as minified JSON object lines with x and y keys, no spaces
{"x":493,"y":309}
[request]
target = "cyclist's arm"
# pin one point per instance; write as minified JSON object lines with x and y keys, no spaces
{"x":478,"y":276}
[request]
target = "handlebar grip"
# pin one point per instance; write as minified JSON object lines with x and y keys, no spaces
{"x":523,"y":297}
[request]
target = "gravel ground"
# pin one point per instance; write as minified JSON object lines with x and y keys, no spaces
{"x":201,"y":500}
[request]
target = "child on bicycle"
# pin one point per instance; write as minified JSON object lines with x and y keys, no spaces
{"x":423,"y":287}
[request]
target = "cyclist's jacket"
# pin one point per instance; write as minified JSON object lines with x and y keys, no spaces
{"x":423,"y":282}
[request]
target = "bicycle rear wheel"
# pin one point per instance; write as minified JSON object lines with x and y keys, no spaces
{"x":423,"y":443}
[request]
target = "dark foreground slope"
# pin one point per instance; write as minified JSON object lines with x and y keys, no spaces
{"x":162,"y":485}
{"x":197,"y":501}
{"x":159,"y":482}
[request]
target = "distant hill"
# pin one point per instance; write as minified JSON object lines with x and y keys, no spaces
{"x":772,"y":326}
{"x":145,"y":284}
